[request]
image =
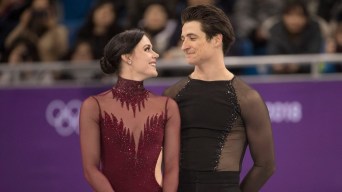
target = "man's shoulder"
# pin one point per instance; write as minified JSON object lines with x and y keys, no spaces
{"x":246,"y":91}
{"x":173,"y":90}
{"x":243,"y":87}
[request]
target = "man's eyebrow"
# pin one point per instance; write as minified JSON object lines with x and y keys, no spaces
{"x":189,"y":34}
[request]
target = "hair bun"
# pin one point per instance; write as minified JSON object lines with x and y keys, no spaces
{"x":106,"y":66}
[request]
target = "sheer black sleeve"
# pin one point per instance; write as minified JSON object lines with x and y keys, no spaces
{"x":173,"y":91}
{"x":259,"y":136}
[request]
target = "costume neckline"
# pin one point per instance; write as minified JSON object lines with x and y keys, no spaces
{"x":129,"y":85}
{"x":211,"y":81}
{"x":130,"y":93}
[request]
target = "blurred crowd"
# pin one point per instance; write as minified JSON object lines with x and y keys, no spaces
{"x":77,"y":31}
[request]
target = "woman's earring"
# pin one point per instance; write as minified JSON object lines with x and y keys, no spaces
{"x":129,"y":62}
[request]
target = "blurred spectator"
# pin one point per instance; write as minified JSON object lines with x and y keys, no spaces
{"x":73,"y":15}
{"x":9,"y":17}
{"x":80,"y":54}
{"x":135,"y":9}
{"x":248,"y":18}
{"x":158,"y":25}
{"x":295,"y":33}
{"x":228,"y":6}
{"x":21,"y":51}
{"x":40,"y":23}
{"x":100,"y":26}
{"x":334,"y":45}
{"x":328,"y":9}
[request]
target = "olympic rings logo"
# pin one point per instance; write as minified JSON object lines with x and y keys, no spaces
{"x":64,"y":116}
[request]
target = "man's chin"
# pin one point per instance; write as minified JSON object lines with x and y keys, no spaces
{"x":190,"y":61}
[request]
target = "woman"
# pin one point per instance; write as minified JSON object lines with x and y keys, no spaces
{"x":100,"y":26}
{"x":127,"y":132}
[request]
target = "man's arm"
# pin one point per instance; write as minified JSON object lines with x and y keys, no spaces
{"x":260,"y":140}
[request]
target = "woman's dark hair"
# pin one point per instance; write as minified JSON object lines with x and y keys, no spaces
{"x":120,"y":44}
{"x":213,"y":21}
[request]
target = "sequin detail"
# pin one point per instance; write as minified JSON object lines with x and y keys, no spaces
{"x":131,"y":144}
{"x":130,"y":93}
{"x":121,"y":135}
{"x":232,"y":99}
{"x":122,"y":160}
{"x":179,"y":94}
{"x":226,"y":94}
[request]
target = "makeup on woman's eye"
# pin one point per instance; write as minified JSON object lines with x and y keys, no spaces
{"x":147,"y":48}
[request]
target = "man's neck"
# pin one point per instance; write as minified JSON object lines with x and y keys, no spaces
{"x":212,"y":72}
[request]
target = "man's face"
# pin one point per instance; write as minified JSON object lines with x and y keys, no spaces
{"x":195,"y":45}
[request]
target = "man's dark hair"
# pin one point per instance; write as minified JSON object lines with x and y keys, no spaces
{"x":213,"y":22}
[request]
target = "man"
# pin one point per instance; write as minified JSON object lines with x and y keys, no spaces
{"x":220,"y":114}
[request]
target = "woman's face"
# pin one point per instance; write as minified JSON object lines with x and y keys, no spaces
{"x":143,"y":60}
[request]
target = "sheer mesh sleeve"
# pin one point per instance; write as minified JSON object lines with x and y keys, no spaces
{"x":174,"y":90}
{"x":259,"y":136}
{"x":90,"y":145}
{"x":90,"y":131}
{"x":171,"y":147}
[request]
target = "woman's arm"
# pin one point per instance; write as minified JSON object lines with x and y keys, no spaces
{"x":260,"y":140}
{"x":90,"y":146}
{"x":171,"y":148}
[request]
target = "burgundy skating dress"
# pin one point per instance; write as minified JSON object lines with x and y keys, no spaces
{"x":132,"y":122}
